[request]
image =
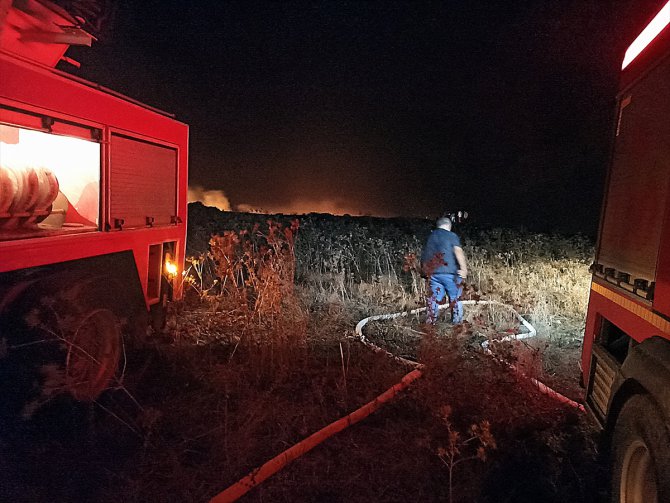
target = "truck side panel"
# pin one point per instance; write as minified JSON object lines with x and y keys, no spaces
{"x":662,"y":292}
{"x":638,"y":186}
{"x":156,"y":215}
{"x":146,"y":196}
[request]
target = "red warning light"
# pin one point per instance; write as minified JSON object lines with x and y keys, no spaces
{"x":660,"y":21}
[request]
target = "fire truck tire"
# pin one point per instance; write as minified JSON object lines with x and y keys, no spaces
{"x":640,"y":454}
{"x":93,"y":354}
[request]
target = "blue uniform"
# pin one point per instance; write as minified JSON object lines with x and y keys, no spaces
{"x":441,"y":241}
{"x":439,"y":258}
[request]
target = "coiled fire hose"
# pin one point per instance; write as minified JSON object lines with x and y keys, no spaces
{"x":277,"y":463}
{"x":542,"y":388}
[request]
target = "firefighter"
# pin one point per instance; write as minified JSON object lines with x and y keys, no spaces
{"x":443,"y":262}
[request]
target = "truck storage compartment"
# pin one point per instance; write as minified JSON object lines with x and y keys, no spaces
{"x":143,"y":183}
{"x":49,"y":184}
{"x":639,"y":175}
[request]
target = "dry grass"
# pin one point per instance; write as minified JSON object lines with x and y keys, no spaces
{"x":372,"y":261}
{"x":248,"y":371}
{"x":550,"y":291}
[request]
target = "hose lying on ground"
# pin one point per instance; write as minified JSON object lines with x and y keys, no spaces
{"x":277,"y":463}
{"x":541,"y":387}
{"x":257,"y":476}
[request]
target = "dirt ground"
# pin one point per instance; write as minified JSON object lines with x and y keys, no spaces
{"x":198,"y":411}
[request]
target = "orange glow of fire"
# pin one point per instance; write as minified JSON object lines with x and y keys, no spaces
{"x":656,"y":26}
{"x":306,"y":206}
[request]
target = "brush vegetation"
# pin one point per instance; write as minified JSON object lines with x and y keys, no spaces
{"x":260,"y":354}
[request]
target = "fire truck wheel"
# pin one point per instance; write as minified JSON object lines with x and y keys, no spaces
{"x":640,"y":454}
{"x":93,"y":354}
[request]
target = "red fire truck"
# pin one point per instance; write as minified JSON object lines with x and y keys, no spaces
{"x":626,"y":353}
{"x":93,"y":189}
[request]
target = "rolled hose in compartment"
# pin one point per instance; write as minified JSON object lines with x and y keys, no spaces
{"x":26,"y":195}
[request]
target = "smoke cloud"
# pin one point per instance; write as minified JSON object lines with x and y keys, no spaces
{"x":214,"y":198}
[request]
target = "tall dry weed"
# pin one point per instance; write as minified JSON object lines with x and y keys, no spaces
{"x":255,"y":273}
{"x":544,"y":277}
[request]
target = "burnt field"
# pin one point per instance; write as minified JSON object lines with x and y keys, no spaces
{"x":261,"y":354}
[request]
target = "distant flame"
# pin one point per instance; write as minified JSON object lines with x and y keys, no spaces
{"x":304,"y":206}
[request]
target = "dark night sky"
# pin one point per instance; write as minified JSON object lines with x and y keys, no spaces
{"x":385,"y":108}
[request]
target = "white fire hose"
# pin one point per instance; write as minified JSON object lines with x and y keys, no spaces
{"x":543,"y":388}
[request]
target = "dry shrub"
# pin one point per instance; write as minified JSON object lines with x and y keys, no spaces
{"x":460,"y":447}
{"x":374,"y":263}
{"x":239,"y":384}
{"x":255,"y":273}
{"x":545,"y":277}
{"x":350,"y":272}
{"x":480,"y":388}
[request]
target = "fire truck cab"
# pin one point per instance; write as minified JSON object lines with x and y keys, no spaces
{"x":93,"y":189}
{"x":626,"y":352}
